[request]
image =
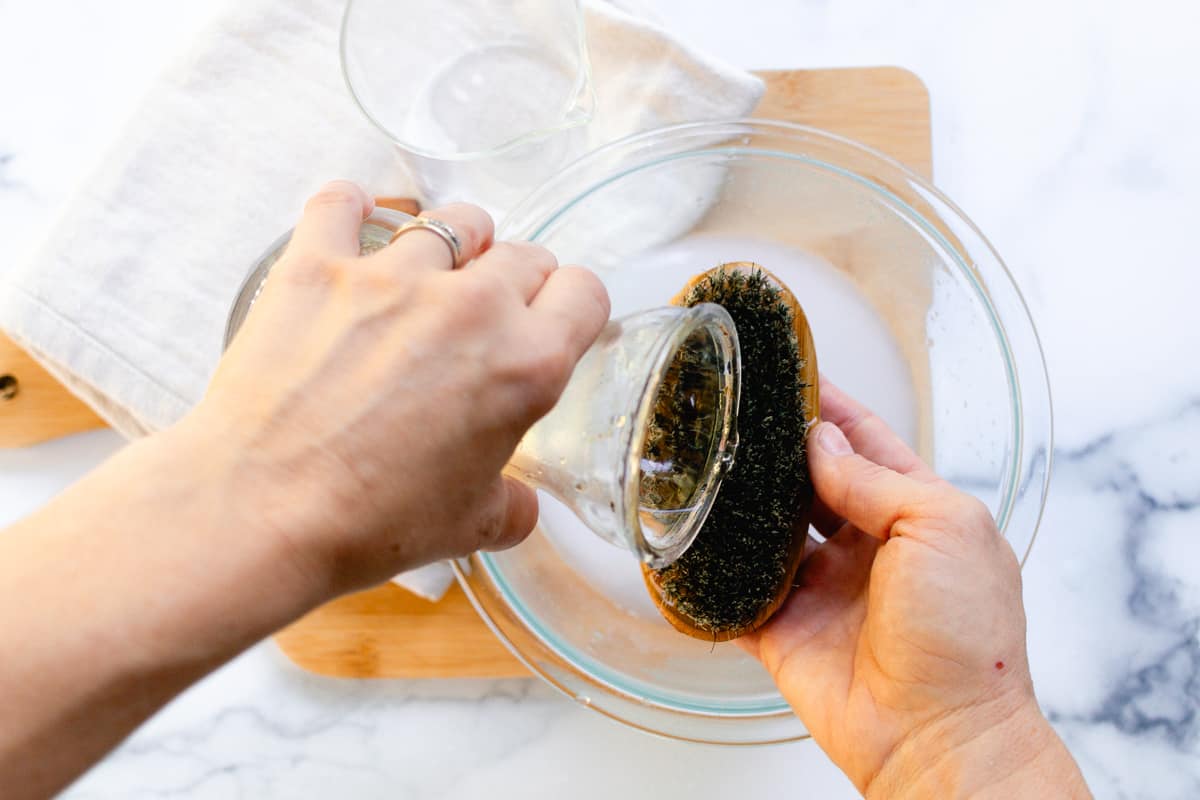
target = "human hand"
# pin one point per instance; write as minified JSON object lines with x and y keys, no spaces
{"x":365,"y":409}
{"x":902,"y":649}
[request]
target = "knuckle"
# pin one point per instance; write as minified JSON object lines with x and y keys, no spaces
{"x":476,"y":289}
{"x":600,"y":295}
{"x":524,"y":253}
{"x":871,"y":477}
{"x":529,"y":251}
{"x":428,"y":292}
{"x":335,"y":195}
{"x":972,"y":515}
{"x":376,"y":277}
{"x":378,"y":270}
{"x":906,"y":527}
{"x":956,"y":513}
{"x":591,"y":287}
{"x":468,"y":211}
{"x":861,"y":491}
{"x":470,"y":222}
{"x":507,"y":251}
{"x":450,"y":306}
{"x":304,"y":269}
{"x":855,"y":421}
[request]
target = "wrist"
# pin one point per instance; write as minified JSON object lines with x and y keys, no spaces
{"x":235,"y":521}
{"x":1002,"y":748}
{"x":130,"y":585}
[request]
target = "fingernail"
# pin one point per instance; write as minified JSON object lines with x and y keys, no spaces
{"x":832,"y":440}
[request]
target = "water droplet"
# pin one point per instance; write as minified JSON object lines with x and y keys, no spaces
{"x":580,"y":486}
{"x":620,"y":421}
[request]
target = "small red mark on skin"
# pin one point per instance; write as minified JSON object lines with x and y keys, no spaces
{"x":999,"y":665}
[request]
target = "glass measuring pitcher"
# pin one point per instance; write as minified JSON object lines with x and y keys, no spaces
{"x":482,"y":99}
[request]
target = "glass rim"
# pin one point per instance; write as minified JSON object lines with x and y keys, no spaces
{"x":597,"y":673}
{"x":714,"y":320}
{"x":782,"y":713}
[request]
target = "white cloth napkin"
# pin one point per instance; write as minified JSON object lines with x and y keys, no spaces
{"x":126,"y":300}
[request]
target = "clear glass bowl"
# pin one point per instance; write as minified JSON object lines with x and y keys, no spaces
{"x":912,"y":311}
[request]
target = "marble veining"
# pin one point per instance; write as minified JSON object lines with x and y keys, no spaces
{"x":1159,"y":696}
{"x":5,"y":181}
{"x":1066,"y":130}
{"x":1117,"y":658}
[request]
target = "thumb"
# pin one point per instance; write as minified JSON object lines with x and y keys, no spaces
{"x":506,"y":517}
{"x":871,"y":497}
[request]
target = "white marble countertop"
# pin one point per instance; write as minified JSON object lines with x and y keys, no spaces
{"x":1068,"y":132}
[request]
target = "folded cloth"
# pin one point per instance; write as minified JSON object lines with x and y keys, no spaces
{"x":126,"y":300}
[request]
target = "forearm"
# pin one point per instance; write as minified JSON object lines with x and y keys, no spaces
{"x":1016,"y":755}
{"x":116,"y":596}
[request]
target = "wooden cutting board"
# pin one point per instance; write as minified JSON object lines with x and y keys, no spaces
{"x":387,"y":632}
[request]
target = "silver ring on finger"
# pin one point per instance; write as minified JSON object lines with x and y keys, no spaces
{"x":443,"y":230}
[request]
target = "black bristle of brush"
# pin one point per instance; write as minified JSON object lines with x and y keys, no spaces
{"x":734,"y":568}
